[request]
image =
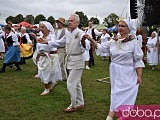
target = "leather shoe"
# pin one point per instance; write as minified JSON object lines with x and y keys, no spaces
{"x":44,"y":93}
{"x":80,"y":106}
{"x":70,"y":109}
{"x":53,"y":87}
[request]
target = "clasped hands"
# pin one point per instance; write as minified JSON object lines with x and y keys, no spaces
{"x":42,"y":40}
{"x":86,"y":36}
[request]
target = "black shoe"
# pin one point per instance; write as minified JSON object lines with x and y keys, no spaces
{"x":18,"y":69}
{"x":11,"y":66}
{"x":2,"y":70}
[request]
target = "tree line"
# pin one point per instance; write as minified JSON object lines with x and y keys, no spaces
{"x":108,"y":21}
{"x":151,"y":13}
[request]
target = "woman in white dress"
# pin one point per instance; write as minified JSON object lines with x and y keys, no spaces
{"x":139,"y":37}
{"x":125,"y":68}
{"x":2,"y":47}
{"x":86,"y":53}
{"x":104,"y":38}
{"x":47,"y":59}
{"x":152,"y":50}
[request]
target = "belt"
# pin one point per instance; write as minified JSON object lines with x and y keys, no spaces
{"x":61,"y":47}
{"x":51,"y":52}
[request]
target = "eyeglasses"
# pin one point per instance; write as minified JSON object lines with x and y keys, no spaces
{"x":122,"y":26}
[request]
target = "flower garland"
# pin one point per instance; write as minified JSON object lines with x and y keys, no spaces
{"x":120,"y":41}
{"x":129,"y":38}
{"x":77,"y":35}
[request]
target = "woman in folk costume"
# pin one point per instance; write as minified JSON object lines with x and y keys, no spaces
{"x":125,"y":68}
{"x":12,"y":55}
{"x":86,"y":53}
{"x":139,"y":37}
{"x":152,"y":50}
{"x":47,"y":59}
{"x":25,"y":45}
{"x":2,"y":47}
{"x":104,"y":37}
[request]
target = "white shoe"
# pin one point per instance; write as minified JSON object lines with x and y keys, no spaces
{"x":109,"y":118}
{"x":36,"y":76}
{"x":45,"y":93}
{"x":87,"y":68}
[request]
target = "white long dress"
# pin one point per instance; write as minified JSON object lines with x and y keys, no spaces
{"x":2,"y":47}
{"x":140,"y":40}
{"x":125,"y":58}
{"x":104,"y":38}
{"x":86,"y":52}
{"x":152,"y":56}
{"x":48,"y":65}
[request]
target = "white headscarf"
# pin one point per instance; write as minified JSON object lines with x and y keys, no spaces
{"x":156,"y":35}
{"x":48,"y":26}
{"x":131,"y":27}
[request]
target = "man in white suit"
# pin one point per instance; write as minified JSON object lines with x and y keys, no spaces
{"x":75,"y":45}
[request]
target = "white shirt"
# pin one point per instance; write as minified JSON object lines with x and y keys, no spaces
{"x":89,"y":32}
{"x":140,"y":40}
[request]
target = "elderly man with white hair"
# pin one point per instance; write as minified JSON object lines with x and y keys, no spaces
{"x":75,"y":43}
{"x":125,"y":68}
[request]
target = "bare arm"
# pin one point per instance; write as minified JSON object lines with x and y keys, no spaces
{"x":94,"y":43}
{"x":139,"y":75}
{"x":83,"y":41}
{"x":37,"y":58}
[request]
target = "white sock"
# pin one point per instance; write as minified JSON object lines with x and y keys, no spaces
{"x":46,"y":90}
{"x":109,"y":118}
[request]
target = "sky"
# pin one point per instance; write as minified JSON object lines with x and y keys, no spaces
{"x":63,"y":8}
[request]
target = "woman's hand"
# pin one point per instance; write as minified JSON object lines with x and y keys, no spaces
{"x":37,"y":58}
{"x":42,"y":40}
{"x":139,"y":80}
{"x":32,"y":34}
{"x":87,"y":36}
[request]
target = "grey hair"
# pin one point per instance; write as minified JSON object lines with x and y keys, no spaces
{"x":24,"y":28}
{"x":76,"y":17}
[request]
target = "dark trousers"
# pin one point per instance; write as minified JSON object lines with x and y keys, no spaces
{"x":91,"y":60}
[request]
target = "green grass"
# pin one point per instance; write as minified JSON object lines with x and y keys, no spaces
{"x":20,"y":99}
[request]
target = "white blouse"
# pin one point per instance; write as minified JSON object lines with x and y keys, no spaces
{"x":140,"y":40}
{"x":105,"y":37}
{"x":27,"y":37}
{"x":128,"y":53}
{"x":151,"y":42}
{"x":41,"y":48}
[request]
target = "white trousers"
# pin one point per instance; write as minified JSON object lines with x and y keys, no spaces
{"x":74,"y":87}
{"x":61,"y":57}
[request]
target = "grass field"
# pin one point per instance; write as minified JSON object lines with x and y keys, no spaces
{"x":20,"y":99}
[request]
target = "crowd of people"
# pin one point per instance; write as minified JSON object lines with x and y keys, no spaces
{"x":62,"y":53}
